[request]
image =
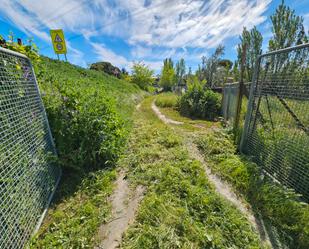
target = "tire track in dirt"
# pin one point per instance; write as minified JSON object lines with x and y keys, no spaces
{"x":222,"y":187}
{"x":226,"y":191}
{"x":125,"y":203}
{"x":162,"y":117}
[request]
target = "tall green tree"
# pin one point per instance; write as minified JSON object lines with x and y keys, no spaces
{"x":180,"y":71}
{"x":251,"y":41}
{"x":142,"y":75}
{"x":287,"y":28}
{"x":167,"y":75}
{"x":210,"y":65}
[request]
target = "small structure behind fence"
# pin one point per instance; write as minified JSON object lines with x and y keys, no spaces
{"x":276,"y":132}
{"x":28,"y":172}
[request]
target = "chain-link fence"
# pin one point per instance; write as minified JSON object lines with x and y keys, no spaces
{"x":28,"y":171}
{"x":277,"y":123}
{"x":229,"y":101}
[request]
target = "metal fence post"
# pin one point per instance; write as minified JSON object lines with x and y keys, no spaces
{"x":250,"y":105}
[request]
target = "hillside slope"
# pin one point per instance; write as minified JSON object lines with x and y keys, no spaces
{"x":90,"y":114}
{"x":60,"y":72}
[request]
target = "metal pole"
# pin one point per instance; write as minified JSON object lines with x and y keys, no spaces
{"x":58,"y":57}
{"x":65,"y":56}
{"x":250,"y":105}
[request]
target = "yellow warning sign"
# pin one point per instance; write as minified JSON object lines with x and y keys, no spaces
{"x":58,"y":41}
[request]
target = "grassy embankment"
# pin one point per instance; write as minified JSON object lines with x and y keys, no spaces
{"x":90,"y":114}
{"x":180,"y":208}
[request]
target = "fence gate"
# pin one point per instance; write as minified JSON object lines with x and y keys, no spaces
{"x":276,"y":131}
{"x":28,"y":172}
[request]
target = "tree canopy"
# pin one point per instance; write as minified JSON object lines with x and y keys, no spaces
{"x":251,"y":41}
{"x":167,"y":75}
{"x":287,"y":28}
{"x":142,"y":75}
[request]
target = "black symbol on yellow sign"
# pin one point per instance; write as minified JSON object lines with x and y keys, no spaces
{"x":59,"y":46}
{"x":58,"y":38}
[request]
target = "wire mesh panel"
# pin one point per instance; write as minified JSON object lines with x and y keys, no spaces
{"x":277,"y":123}
{"x":28,"y":172}
{"x":229,"y":104}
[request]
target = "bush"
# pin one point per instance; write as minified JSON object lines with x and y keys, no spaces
{"x":200,"y":103}
{"x":106,"y":67}
{"x":167,"y":100}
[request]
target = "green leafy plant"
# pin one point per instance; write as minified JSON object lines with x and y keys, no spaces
{"x":200,"y":103}
{"x":142,"y":75}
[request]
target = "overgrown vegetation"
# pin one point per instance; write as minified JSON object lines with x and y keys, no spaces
{"x":90,"y":116}
{"x":200,"y":103}
{"x":281,"y":207}
{"x":167,"y":100}
{"x":180,"y":209}
{"x":73,"y":223}
{"x":88,"y":129}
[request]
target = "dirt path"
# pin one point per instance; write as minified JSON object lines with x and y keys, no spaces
{"x":222,"y":187}
{"x":161,"y":116}
{"x":124,"y":205}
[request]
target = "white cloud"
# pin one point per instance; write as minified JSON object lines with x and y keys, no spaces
{"x":167,"y":24}
{"x":105,"y":54}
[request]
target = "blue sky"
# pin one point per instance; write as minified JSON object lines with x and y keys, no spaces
{"x":123,"y":31}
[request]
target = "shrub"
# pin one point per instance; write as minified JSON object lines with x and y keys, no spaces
{"x":167,"y":100}
{"x":200,"y":103}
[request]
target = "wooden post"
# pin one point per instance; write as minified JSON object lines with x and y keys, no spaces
{"x":241,"y":87}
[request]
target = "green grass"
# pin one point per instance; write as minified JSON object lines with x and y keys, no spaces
{"x":90,"y":114}
{"x":167,"y":100}
{"x":181,"y":208}
{"x":188,"y":123}
{"x":73,"y":223}
{"x":278,"y":206}
{"x":50,"y":72}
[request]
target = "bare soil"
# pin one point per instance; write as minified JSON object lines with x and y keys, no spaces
{"x":124,"y":205}
{"x":162,"y":117}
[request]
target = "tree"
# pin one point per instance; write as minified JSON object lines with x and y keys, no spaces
{"x":142,"y":75}
{"x":107,"y":68}
{"x":225,"y":63}
{"x":210,"y":65}
{"x":180,"y":71}
{"x":167,"y":75}
{"x":288,"y":29}
{"x":252,"y":42}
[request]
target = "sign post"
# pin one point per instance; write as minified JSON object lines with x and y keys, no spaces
{"x":57,"y":37}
